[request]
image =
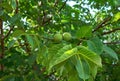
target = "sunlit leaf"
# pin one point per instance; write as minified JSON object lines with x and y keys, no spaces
{"x":62,"y":55}
{"x":64,"y":21}
{"x":116,"y":17}
{"x":89,"y":55}
{"x":85,"y":31}
{"x":80,"y":50}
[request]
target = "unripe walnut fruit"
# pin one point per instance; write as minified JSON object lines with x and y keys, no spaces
{"x":67,"y":36}
{"x":57,"y":37}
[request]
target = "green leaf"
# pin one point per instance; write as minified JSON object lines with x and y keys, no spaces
{"x":15,"y":19}
{"x":89,"y":55}
{"x":73,"y":77}
{"x":64,"y":21}
{"x":9,"y":77}
{"x":42,"y":55}
{"x":91,"y":79}
{"x":95,"y":45}
{"x":32,"y":59}
{"x":37,"y":41}
{"x":83,"y":69}
{"x":66,"y":52}
{"x":53,"y":51}
{"x":1,"y":13}
{"x":110,"y":51}
{"x":4,"y":16}
{"x":116,"y":2}
{"x":6,"y":6}
{"x":85,"y":31}
{"x":116,"y":17}
{"x":18,"y":33}
{"x":93,"y":72}
{"x":11,"y":43}
{"x":13,"y":3}
{"x":62,"y":55}
{"x":30,"y":40}
{"x":48,"y":54}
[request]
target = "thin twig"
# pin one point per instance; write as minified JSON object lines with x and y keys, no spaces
{"x":9,"y":32}
{"x":116,"y":42}
{"x":47,"y":21}
{"x":16,"y":11}
{"x":114,"y":30}
{"x":56,"y":2}
{"x":62,"y":6}
{"x":100,"y":25}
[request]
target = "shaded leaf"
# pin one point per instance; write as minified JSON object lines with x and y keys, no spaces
{"x":30,"y":40}
{"x":15,"y":19}
{"x":110,"y":51}
{"x":32,"y":59}
{"x":83,"y":69}
{"x":95,"y":45}
{"x":42,"y":55}
{"x":13,"y":4}
{"x":11,"y":43}
{"x":93,"y":72}
{"x":18,"y":33}
{"x":6,"y":6}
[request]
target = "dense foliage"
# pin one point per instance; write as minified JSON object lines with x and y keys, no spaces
{"x":59,"y":40}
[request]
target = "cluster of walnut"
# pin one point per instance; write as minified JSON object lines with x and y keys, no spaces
{"x":65,"y":36}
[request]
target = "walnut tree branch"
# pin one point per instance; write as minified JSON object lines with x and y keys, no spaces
{"x":46,"y":20}
{"x":1,"y":41}
{"x":16,"y":11}
{"x":9,"y":32}
{"x":114,"y":30}
{"x":62,"y":6}
{"x":100,"y":25}
{"x":56,"y":2}
{"x":116,"y":42}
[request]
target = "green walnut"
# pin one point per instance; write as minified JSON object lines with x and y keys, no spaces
{"x":67,"y":36}
{"x":58,"y":37}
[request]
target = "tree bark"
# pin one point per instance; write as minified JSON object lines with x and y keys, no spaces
{"x":1,"y":41}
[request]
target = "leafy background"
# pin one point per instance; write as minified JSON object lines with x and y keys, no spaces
{"x":28,"y":52}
